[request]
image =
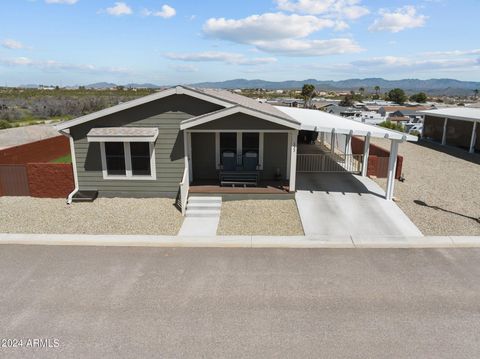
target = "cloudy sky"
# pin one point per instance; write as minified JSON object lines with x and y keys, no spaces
{"x":69,"y":42}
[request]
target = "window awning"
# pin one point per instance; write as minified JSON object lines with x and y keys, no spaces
{"x":320,"y":121}
{"x":123,"y":134}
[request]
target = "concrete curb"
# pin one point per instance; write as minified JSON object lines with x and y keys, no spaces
{"x":242,"y":241}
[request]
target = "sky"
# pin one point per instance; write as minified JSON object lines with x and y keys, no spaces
{"x":78,"y":42}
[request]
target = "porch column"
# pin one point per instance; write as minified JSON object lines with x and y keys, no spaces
{"x":239,"y":149}
{"x":473,"y":139}
{"x":289,"y":155}
{"x":444,"y":135}
{"x":392,"y":167}
{"x":348,"y":143}
{"x":366,"y":153}
{"x":332,"y":142}
{"x":322,"y":138}
{"x":187,"y":150}
{"x":293,"y":160}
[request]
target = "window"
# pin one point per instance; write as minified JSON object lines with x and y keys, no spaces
{"x":140,"y":153}
{"x":115,"y":156}
{"x":250,"y":142}
{"x":128,"y":160}
{"x":242,"y":145}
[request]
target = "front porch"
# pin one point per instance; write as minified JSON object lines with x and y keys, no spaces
{"x":262,"y":188}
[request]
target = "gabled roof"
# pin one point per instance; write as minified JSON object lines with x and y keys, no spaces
{"x":284,"y":120}
{"x":223,"y":98}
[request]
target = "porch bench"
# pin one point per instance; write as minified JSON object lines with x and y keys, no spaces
{"x":238,"y":178}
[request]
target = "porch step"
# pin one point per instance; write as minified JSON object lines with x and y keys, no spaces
{"x":204,"y":207}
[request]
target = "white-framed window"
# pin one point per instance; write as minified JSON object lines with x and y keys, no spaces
{"x":128,"y":160}
{"x":242,"y":144}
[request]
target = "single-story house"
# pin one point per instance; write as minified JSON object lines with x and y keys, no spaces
{"x":455,"y":126}
{"x":182,"y":140}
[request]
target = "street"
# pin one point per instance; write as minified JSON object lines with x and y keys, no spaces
{"x":113,"y":302}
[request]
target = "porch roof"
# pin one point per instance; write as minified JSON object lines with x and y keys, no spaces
{"x":314,"y":120}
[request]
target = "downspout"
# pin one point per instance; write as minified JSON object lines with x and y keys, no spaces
{"x":74,"y":166}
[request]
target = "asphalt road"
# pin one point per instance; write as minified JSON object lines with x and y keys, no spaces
{"x":240,"y":303}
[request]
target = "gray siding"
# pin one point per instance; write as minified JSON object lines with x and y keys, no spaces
{"x":166,"y":115}
{"x":274,"y":155}
{"x":240,"y":121}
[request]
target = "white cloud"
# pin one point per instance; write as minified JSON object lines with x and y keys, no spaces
{"x":51,"y":65}
{"x":68,"y":2}
{"x":166,"y":12}
{"x":230,"y":58}
{"x":453,"y":53}
{"x":265,"y":27}
{"x":401,"y":19}
{"x":413,"y":63}
{"x":119,"y":9}
{"x":294,"y":47}
{"x":12,"y":44}
{"x":349,"y":9}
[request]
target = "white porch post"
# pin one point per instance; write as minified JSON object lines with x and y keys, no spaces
{"x":217,"y":150}
{"x":187,"y":153}
{"x":444,"y":135}
{"x":332,"y":142}
{"x":392,"y":167}
{"x":366,"y":153}
{"x":348,"y":143}
{"x":322,"y":138}
{"x":289,"y":154}
{"x":293,"y":160}
{"x":473,"y":139}
{"x":239,"y":149}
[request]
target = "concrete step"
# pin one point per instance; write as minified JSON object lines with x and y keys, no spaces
{"x":199,"y":199}
{"x":204,"y":212}
{"x":199,"y":205}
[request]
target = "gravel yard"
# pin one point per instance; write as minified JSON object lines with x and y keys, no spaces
{"x":446,"y":178}
{"x":103,"y":216}
{"x":260,"y":217}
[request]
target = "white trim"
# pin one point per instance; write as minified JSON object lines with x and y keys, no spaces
{"x":200,"y":120}
{"x":217,"y":150}
{"x":128,"y":165}
{"x":444,"y":134}
{"x":121,"y":139}
{"x":289,"y":154}
{"x":179,"y":90}
{"x":473,"y":138}
{"x":260,"y":151}
{"x":392,"y":167}
{"x":74,"y":166}
{"x":366,"y":154}
{"x":239,"y":149}
{"x":238,"y":130}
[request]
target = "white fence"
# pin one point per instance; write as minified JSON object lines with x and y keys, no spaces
{"x":184,"y":188}
{"x":311,"y":163}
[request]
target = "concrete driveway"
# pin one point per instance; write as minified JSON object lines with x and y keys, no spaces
{"x":104,"y":302}
{"x":346,"y":204}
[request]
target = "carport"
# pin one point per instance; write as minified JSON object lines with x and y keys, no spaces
{"x":333,"y":130}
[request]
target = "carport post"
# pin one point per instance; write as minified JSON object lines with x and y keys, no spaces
{"x":392,"y":167}
{"x":444,"y":135}
{"x":332,"y":142}
{"x":348,"y":143}
{"x":293,"y":160}
{"x":366,"y":153}
{"x":473,"y":139}
{"x":322,"y":138}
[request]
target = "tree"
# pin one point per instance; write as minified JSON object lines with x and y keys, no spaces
{"x":347,"y":101}
{"x":475,"y":93}
{"x":420,"y":97}
{"x":397,"y":95}
{"x":377,"y":89}
{"x":308,"y":92}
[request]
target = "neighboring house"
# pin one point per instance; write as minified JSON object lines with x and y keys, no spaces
{"x":387,"y":110}
{"x":458,"y":126}
{"x":409,"y":115}
{"x":183,"y":140}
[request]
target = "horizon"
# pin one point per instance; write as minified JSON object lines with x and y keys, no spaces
{"x":80,"y":42}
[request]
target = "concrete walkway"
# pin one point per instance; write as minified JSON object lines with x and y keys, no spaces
{"x":345,"y":204}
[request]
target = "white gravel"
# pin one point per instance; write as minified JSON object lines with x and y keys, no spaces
{"x":260,"y":217}
{"x":103,"y":216}
{"x":447,"y":178}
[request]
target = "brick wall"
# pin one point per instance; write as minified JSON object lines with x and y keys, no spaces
{"x":38,"y":151}
{"x":377,"y":159}
{"x":50,"y":180}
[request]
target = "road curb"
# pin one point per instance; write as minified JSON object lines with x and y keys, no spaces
{"x":242,"y":241}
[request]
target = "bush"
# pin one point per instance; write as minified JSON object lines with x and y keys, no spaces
{"x":5,"y":124}
{"x":392,"y":126}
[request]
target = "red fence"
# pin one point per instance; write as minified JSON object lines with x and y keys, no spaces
{"x":38,"y":151}
{"x":25,"y":170}
{"x":377,"y":160}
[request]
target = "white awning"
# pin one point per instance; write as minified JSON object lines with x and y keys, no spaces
{"x":320,"y":121}
{"x":123,"y":134}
